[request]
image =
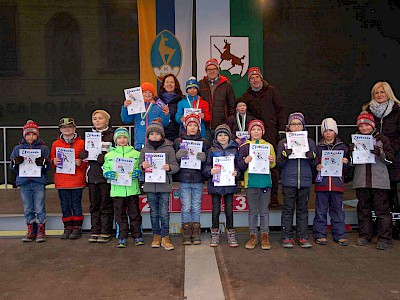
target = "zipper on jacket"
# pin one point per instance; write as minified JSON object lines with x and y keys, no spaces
{"x":330,"y":183}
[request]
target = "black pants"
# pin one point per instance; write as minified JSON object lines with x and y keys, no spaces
{"x":275,"y":185}
{"x":378,"y":200}
{"x":101,"y":208}
{"x":216,"y":210}
{"x":393,"y":197}
{"x":124,"y":207}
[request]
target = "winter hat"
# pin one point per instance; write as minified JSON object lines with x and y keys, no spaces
{"x":155,"y":126}
{"x":223,"y":128}
{"x":66,"y":121}
{"x":192,"y":82}
{"x":121,"y":131}
{"x":329,"y":124}
{"x":147,"y":86}
{"x":29,"y":127}
{"x":366,"y":118}
{"x":212,"y":62}
{"x":253,"y":71}
{"x":241,"y":99}
{"x":297,"y":116}
{"x":258,"y":123}
{"x":105,"y":114}
{"x":192,"y":118}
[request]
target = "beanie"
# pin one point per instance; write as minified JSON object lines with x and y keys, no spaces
{"x":329,"y":124}
{"x":192,"y":83}
{"x":105,"y":114}
{"x":223,"y":128}
{"x":296,"y":116}
{"x":121,"y":131}
{"x":155,"y":126}
{"x":29,"y":127}
{"x":366,"y":118}
{"x":253,"y":71}
{"x":258,"y":123}
{"x":147,"y":86}
{"x":241,"y":99}
{"x":192,"y":118}
{"x":212,"y":62}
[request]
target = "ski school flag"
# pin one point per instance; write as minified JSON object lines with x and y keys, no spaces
{"x":165,"y":39}
{"x":232,"y":32}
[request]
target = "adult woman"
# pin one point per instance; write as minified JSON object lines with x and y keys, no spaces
{"x":386,"y":110}
{"x":170,"y":93}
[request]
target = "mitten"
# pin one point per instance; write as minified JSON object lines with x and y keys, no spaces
{"x":351,"y":147}
{"x":18,"y":160}
{"x":39,"y":161}
{"x":287,"y":152}
{"x":135,"y":174}
{"x":201,"y":156}
{"x":100,"y":158}
{"x":310,"y":155}
{"x":181,"y":153}
{"x":111,"y":175}
{"x":84,"y":154}
{"x":376,"y":151}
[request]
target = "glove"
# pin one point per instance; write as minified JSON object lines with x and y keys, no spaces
{"x":201,"y":156}
{"x":100,"y":158}
{"x":351,"y":147}
{"x":111,"y":175}
{"x":84,"y":154}
{"x":39,"y":161}
{"x":376,"y":151}
{"x":135,"y":174}
{"x":282,"y":135}
{"x":18,"y":160}
{"x":310,"y":155}
{"x":181,"y":153}
{"x":287,"y":152}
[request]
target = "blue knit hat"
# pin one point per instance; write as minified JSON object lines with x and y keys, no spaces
{"x":121,"y":131}
{"x":192,"y":82}
{"x":297,"y":116}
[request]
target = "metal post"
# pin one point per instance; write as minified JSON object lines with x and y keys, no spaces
{"x":5,"y":157}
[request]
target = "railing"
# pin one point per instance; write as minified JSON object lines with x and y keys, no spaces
{"x":313,"y":134}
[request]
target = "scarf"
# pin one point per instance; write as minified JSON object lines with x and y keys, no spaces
{"x":381,"y":110}
{"x":169,"y":97}
{"x":157,"y":144}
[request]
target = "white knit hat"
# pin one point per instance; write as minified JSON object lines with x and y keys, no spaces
{"x":329,"y":124}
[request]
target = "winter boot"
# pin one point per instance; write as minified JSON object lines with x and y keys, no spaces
{"x":30,"y":233}
{"x":196,"y":230}
{"x":232,"y":238}
{"x":76,"y":232}
{"x":41,"y":235}
{"x":187,"y":234}
{"x":252,"y":243}
{"x":215,"y":233}
{"x":67,"y":230}
{"x":167,"y":244}
{"x":156,"y":241}
{"x":265,"y":244}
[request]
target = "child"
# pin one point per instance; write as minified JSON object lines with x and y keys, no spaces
{"x":258,"y":186}
{"x":101,"y":204}
{"x":223,"y":145}
{"x":193,"y":100}
{"x":125,"y":198}
{"x":142,"y":120}
{"x":329,"y":190}
{"x":70,"y":186}
{"x":158,"y":194}
{"x":372,"y":185}
{"x":191,"y":182}
{"x":240,"y":120}
{"x":33,"y":189}
{"x":296,"y":182}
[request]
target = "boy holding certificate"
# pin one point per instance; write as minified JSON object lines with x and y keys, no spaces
{"x":296,"y":182}
{"x":121,"y":168}
{"x":372,"y":184}
{"x":30,"y":160}
{"x":69,"y":177}
{"x":329,"y":187}
{"x":222,"y":181}
{"x":257,"y":182}
{"x":158,"y":161}
{"x":190,"y":153}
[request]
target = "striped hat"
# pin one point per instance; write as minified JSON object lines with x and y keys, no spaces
{"x":121,"y":131}
{"x":30,"y":127}
{"x":223,"y":128}
{"x":155,"y":126}
{"x":297,"y":116}
{"x":192,"y":118}
{"x":366,"y":118}
{"x":212,"y":62}
{"x":329,"y":124}
{"x":258,"y":123}
{"x":192,"y":82}
{"x":253,"y":71}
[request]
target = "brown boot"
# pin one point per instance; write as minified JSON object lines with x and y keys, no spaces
{"x":187,"y":234}
{"x":252,"y":243}
{"x":67,"y":230}
{"x":265,"y":244}
{"x":166,"y":243}
{"x":196,"y":230}
{"x":156,"y":241}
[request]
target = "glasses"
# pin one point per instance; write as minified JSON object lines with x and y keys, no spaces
{"x":296,"y":124}
{"x":211,"y":70}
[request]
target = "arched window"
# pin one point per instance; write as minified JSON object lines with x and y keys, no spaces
{"x":63,"y":55}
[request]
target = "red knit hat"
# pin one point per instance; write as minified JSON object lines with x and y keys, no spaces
{"x":147,"y":86}
{"x":212,"y":62}
{"x":29,"y":127}
{"x":192,"y":118}
{"x":253,"y":71}
{"x":258,"y":123}
{"x":366,"y":118}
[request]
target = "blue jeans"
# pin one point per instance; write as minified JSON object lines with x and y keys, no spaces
{"x":33,"y":197}
{"x":190,"y":196}
{"x":71,"y":202}
{"x":159,"y":206}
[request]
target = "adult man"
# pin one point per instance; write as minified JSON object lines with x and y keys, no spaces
{"x":265,"y":103}
{"x":218,"y":92}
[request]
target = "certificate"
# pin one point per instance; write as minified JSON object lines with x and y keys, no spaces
{"x":93,"y":144}
{"x":242,"y":136}
{"x":155,"y":173}
{"x":227,"y":166}
{"x":190,"y":161}
{"x":331,"y":162}
{"x":123,"y":167}
{"x":67,"y":157}
{"x":188,"y":111}
{"x":298,"y":142}
{"x":29,"y":168}
{"x":362,"y":145}
{"x":136,"y":96}
{"x":260,"y":162}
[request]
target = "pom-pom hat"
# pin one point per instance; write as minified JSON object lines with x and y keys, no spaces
{"x":30,"y":127}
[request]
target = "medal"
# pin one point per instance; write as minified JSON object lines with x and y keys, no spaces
{"x":142,"y":123}
{"x":242,"y":126}
{"x":144,"y":115}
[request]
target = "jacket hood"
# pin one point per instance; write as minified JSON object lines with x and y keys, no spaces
{"x":231,"y":144}
{"x":337,"y":142}
{"x":35,"y":142}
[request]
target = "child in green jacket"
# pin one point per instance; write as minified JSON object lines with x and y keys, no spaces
{"x":123,"y":192}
